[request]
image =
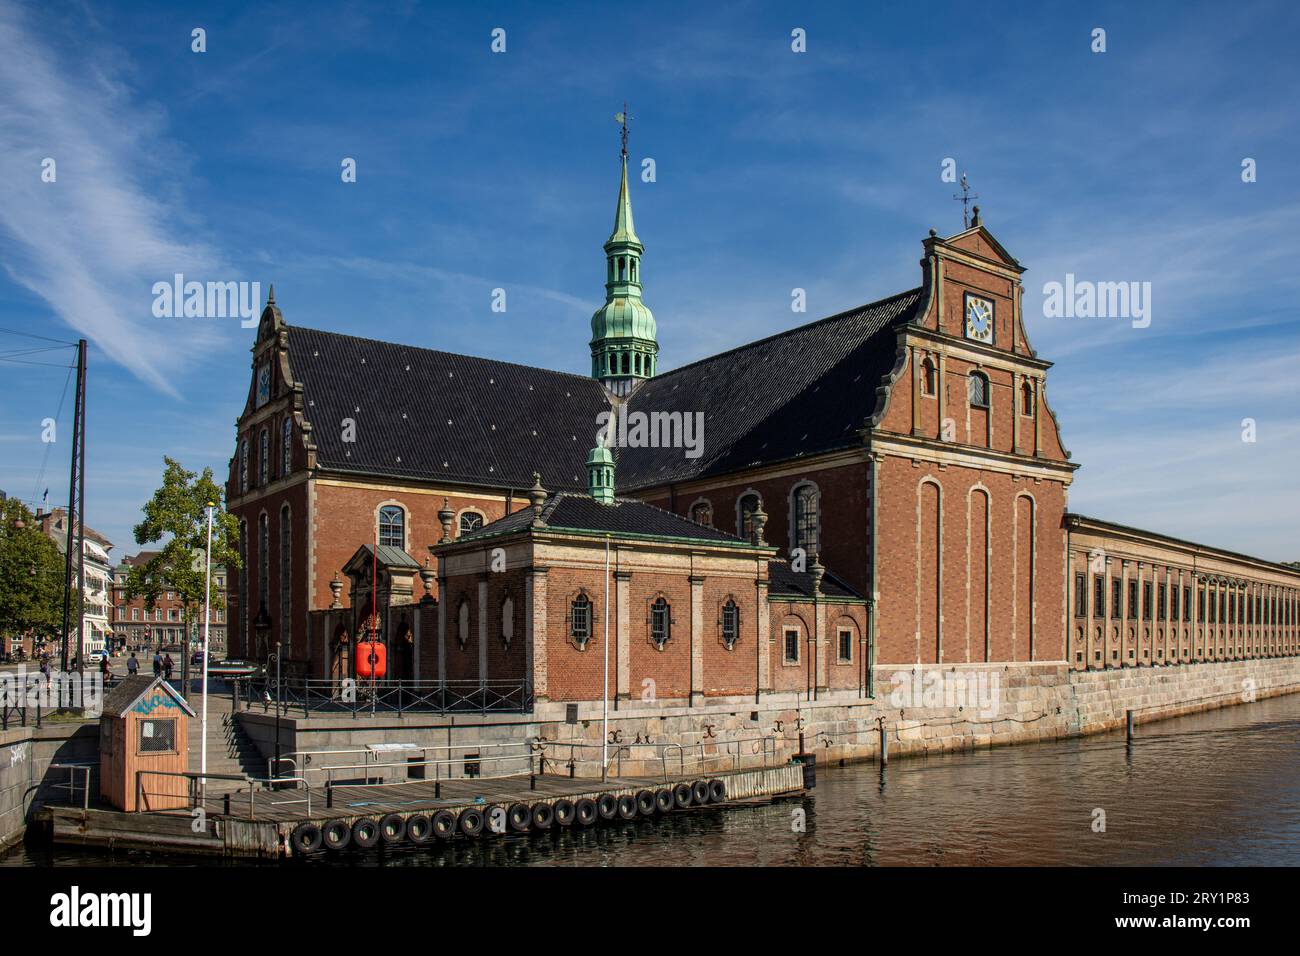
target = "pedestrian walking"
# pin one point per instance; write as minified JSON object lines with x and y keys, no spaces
{"x":167,"y":667}
{"x":157,"y":664}
{"x":132,"y":665}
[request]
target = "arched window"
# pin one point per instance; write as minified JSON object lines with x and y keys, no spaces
{"x":978,"y":389}
{"x":1027,"y":398}
{"x":580,"y":620}
{"x":286,"y":586}
{"x":263,"y":559}
{"x":745,"y":522}
{"x":730,"y":624}
{"x":702,"y":513}
{"x":660,"y":622}
{"x":392,"y":527}
{"x":470,"y":522}
{"x":507,"y":620}
{"x":929,"y":378}
{"x":807,"y":519}
{"x":286,"y":446}
{"x":243,"y":464}
{"x":627,"y":368}
{"x":263,"y":456}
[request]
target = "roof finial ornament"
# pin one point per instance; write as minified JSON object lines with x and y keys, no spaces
{"x":623,"y":119}
{"x":965,"y":199}
{"x":270,"y":295}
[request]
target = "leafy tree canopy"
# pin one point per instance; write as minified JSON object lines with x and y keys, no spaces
{"x":31,"y":575}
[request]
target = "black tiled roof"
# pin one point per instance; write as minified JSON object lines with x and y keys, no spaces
{"x":784,"y":581}
{"x":626,"y":516}
{"x":426,"y":414}
{"x":801,"y":392}
{"x":430,"y":415}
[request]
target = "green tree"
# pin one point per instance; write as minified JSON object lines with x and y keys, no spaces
{"x":31,"y":575}
{"x":177,"y":516}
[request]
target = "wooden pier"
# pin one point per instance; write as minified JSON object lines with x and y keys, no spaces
{"x":281,"y":823}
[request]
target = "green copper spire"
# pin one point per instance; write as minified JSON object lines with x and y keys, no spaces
{"x":600,"y":475}
{"x":624,"y":349}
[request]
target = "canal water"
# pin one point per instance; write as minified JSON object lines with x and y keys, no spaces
{"x":1214,"y":789}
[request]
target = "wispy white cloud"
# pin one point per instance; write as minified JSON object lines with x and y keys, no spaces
{"x":92,"y":243}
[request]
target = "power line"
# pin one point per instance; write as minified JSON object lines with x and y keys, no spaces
{"x":58,"y":416}
{"x":43,"y":338}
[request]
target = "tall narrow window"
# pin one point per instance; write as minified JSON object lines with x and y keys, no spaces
{"x":1099,"y":595}
{"x":730,"y":624}
{"x":263,"y":559}
{"x":286,"y":586}
{"x":580,"y":620}
{"x":791,"y":645}
{"x":1080,"y":596}
{"x":286,"y":446}
{"x":243,"y":464}
{"x":470,"y":522}
{"x":1027,"y":398}
{"x":263,"y":457}
{"x":660,"y":622}
{"x":978,"y":389}
{"x":806,"y":519}
{"x":845,"y":641}
{"x":745,"y":522}
{"x":392,"y":527}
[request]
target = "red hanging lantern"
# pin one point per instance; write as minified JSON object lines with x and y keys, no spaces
{"x":372,"y":660}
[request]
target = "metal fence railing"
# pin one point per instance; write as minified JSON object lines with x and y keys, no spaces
{"x":358,"y":697}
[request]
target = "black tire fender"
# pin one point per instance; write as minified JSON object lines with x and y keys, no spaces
{"x":392,"y":828}
{"x":682,"y":796}
{"x":585,"y":811}
{"x":700,"y":792}
{"x":365,"y":833}
{"x":306,"y":838}
{"x":645,"y":803}
{"x":717,"y":791}
{"x":520,"y":817}
{"x":470,"y":822}
{"x":543,"y":815}
{"x":565,"y":812}
{"x":664,"y":800}
{"x":337,"y":834}
{"x":607,"y":806}
{"x":419,"y":829}
{"x":444,"y":824}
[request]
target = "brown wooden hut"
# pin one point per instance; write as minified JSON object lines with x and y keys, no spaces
{"x":144,"y":727}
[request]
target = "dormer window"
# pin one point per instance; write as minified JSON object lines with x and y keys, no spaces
{"x":978,"y":389}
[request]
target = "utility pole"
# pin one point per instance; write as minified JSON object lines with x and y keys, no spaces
{"x":76,"y":512}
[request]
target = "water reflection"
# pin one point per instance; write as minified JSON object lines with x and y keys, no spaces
{"x":1215,"y":789}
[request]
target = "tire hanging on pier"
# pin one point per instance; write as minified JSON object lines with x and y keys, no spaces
{"x":418,"y":828}
{"x":664,"y":800}
{"x":306,"y":838}
{"x":365,"y":833}
{"x":392,"y":828}
{"x":682,"y":794}
{"x":607,"y":806}
{"x":585,"y":811}
{"x":444,"y":824}
{"x":543,"y":815}
{"x":520,"y":817}
{"x":700,"y":792}
{"x":337,"y":834}
{"x":627,"y":808}
{"x":470,"y":822}
{"x":645,"y":803}
{"x":717,"y":791}
{"x":565,"y":812}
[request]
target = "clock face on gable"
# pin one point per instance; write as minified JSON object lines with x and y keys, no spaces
{"x":979,"y":319}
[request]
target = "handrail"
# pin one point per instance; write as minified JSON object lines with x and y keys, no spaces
{"x":72,"y":768}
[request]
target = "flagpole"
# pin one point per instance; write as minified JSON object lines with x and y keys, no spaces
{"x":207,"y":624}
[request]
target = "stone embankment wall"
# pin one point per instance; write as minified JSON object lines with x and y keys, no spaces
{"x":26,"y":781}
{"x":925,"y":709}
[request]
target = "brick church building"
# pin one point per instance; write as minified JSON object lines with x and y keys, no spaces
{"x":886,"y":486}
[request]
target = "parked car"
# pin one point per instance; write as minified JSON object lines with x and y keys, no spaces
{"x":94,"y":657}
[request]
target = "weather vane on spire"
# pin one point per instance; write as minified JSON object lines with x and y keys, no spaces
{"x":965,"y":199}
{"x":623,"y":118}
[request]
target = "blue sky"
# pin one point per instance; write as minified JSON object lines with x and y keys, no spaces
{"x":775,"y":170}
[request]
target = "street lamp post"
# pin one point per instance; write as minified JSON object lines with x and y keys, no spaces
{"x":262,"y":625}
{"x":207,"y":618}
